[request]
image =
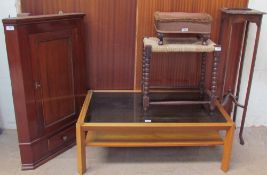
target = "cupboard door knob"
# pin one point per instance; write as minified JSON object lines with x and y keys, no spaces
{"x":65,"y":138}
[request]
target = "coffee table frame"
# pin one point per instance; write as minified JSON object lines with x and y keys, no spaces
{"x":84,"y":129}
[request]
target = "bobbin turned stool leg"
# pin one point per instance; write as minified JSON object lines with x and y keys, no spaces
{"x":146,"y":76}
{"x":143,"y":70}
{"x":214,"y":77}
{"x":160,"y":36}
{"x":205,"y":38}
{"x":203,"y":74}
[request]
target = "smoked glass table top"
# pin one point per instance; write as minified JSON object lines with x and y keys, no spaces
{"x":126,"y":107}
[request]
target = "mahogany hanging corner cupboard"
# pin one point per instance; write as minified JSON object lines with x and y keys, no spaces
{"x":46,"y":57}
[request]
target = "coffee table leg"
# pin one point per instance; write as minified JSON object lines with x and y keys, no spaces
{"x":227,"y":149}
{"x":81,"y":149}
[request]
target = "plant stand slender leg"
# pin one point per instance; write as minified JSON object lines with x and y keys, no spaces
{"x":227,"y":148}
{"x":203,"y":74}
{"x":241,"y":65}
{"x":81,"y":149}
{"x":229,"y":28}
{"x":148,"y":53}
{"x":249,"y":83}
{"x":214,"y":77}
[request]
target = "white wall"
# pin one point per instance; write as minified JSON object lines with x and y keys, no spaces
{"x":7,"y":116}
{"x":257,"y":109}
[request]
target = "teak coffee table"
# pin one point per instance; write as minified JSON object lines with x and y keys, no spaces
{"x":117,"y":119}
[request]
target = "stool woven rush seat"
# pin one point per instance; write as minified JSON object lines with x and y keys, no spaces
{"x":181,"y":45}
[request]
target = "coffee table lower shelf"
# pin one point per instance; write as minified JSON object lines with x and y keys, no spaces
{"x":153,"y":139}
{"x":116,"y":119}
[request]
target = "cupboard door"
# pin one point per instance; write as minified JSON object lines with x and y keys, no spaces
{"x":52,"y":62}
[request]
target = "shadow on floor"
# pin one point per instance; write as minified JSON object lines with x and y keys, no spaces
{"x":176,"y":154}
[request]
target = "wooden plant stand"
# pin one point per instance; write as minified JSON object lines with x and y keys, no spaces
{"x":231,"y":16}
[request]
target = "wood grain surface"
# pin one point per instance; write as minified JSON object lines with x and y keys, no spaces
{"x":159,"y":138}
{"x":110,"y":36}
{"x":47,"y":68}
{"x":115,"y":29}
{"x":182,"y":69}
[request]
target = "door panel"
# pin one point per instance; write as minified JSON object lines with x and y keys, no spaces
{"x":110,"y":35}
{"x":54,"y":79}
